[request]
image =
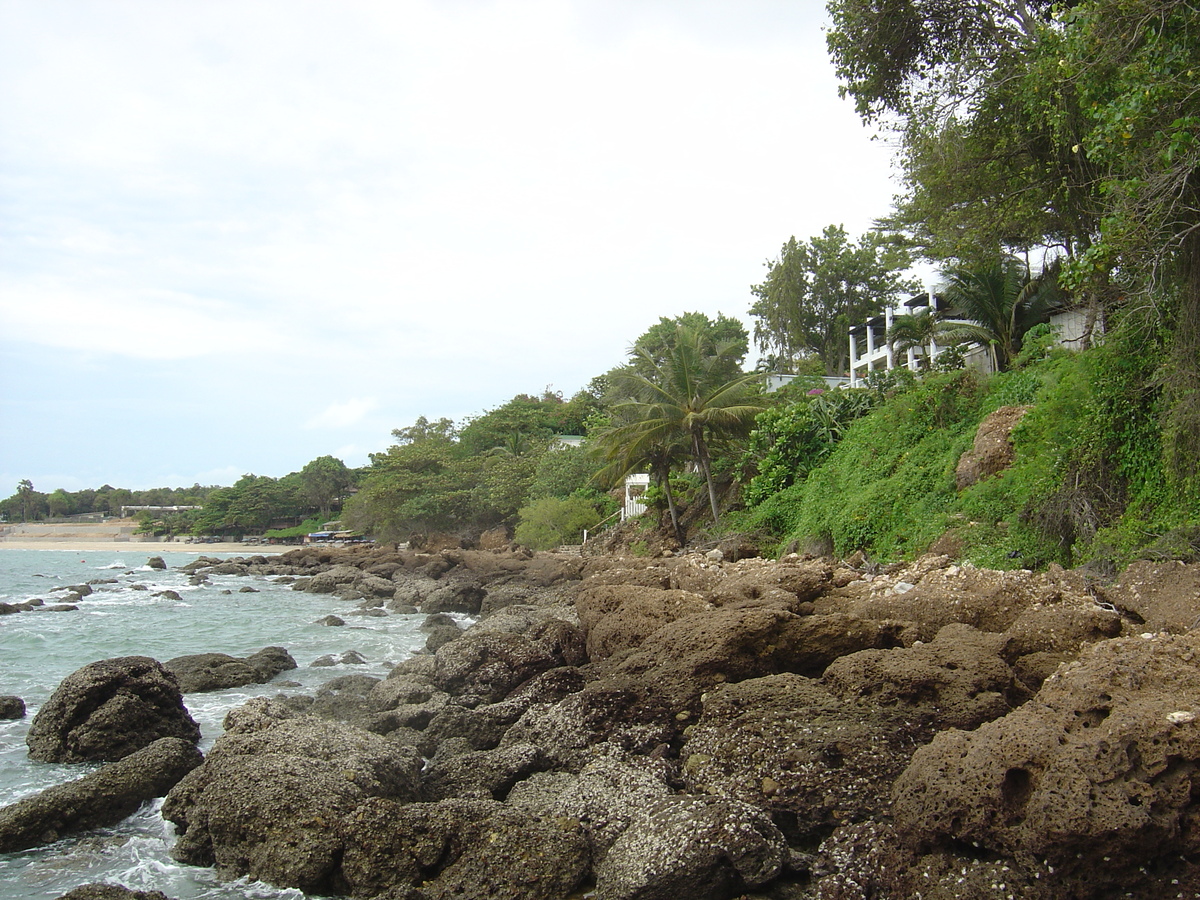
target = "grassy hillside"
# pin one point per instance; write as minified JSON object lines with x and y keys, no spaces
{"x":1088,"y":481}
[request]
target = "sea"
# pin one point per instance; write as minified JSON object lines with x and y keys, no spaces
{"x":130,"y":615}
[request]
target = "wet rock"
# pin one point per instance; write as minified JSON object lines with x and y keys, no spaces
{"x":331,"y":620}
{"x":203,"y":672}
{"x":108,"y":710}
{"x":1094,"y":777}
{"x":12,"y":707}
{"x":98,"y":891}
{"x":102,"y":798}
{"x":156,"y":562}
{"x":272,"y":803}
{"x":696,"y":847}
{"x":461,"y":850}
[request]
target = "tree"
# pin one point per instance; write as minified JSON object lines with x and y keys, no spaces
{"x":1136,"y":67}
{"x":656,"y":344}
{"x":423,"y":430}
{"x":817,"y":290}
{"x":687,"y":398}
{"x":551,"y":522}
{"x":324,"y":481}
{"x":1002,"y":301}
{"x":25,"y":493}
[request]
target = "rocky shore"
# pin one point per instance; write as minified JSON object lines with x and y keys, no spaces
{"x":690,"y":726}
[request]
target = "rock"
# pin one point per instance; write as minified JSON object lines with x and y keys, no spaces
{"x":104,"y":797}
{"x":784,"y":743}
{"x":461,"y":850}
{"x":487,"y":666}
{"x":689,"y":655}
{"x":217,"y":671}
{"x":619,"y":710}
{"x":108,"y":710}
{"x":97,"y":891}
{"x":701,"y":848}
{"x":12,"y":707}
{"x":604,"y":797}
{"x":1162,"y":596}
{"x":481,"y":774}
{"x":992,"y":451}
{"x":331,"y":621}
{"x":272,"y":803}
{"x":619,"y":617}
{"x":464,"y":597}
{"x":156,"y":562}
{"x":1092,"y":778}
{"x":957,"y":681}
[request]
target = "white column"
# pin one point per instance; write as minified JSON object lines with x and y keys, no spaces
{"x":853,"y":359}
{"x":888,"y":318}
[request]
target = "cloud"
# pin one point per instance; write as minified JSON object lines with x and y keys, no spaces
{"x":343,"y":414}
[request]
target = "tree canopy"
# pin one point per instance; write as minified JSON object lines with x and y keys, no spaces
{"x":818,"y":289}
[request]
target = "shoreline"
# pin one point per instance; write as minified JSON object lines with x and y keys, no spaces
{"x":151,"y":548}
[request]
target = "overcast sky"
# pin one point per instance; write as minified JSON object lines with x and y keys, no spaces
{"x":235,"y":236}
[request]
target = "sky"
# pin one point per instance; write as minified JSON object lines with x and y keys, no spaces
{"x":241,"y":234}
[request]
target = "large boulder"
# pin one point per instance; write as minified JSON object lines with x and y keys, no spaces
{"x":604,"y":797}
{"x":992,"y":452}
{"x":486,"y":666}
{"x":270,"y":802}
{"x":692,"y":654}
{"x":461,"y":850}
{"x":108,"y":710}
{"x":701,"y":848}
{"x":784,"y":743}
{"x":217,"y":671}
{"x":957,"y":681}
{"x":104,"y":797}
{"x":619,"y":617}
{"x":1163,"y":596}
{"x":1094,"y":779}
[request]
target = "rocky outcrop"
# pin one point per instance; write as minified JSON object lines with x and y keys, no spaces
{"x":1104,"y":763}
{"x":99,"y":891}
{"x":695,"y":726}
{"x":108,"y":710}
{"x":102,"y":798}
{"x":272,"y":798}
{"x":217,"y":671}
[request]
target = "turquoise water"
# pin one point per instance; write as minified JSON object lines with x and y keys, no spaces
{"x":39,"y":648}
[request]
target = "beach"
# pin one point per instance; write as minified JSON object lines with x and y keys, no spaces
{"x":93,"y":537}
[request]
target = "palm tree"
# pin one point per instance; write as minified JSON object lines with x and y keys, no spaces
{"x":1001,"y":302}
{"x":921,"y":329}
{"x":629,"y":448}
{"x":686,"y":397}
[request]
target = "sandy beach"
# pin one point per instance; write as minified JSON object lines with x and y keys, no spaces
{"x":150,"y":548}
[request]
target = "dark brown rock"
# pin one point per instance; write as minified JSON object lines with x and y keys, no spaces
{"x":461,"y":850}
{"x":104,"y":797}
{"x":108,"y":710}
{"x":202,"y":672}
{"x":271,"y":803}
{"x":1093,"y":778}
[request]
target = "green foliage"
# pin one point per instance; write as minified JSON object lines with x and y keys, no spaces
{"x":324,"y":482}
{"x":788,"y":442}
{"x":818,"y":289}
{"x":561,"y":471}
{"x":552,"y":522}
{"x":655,"y":346}
{"x":308,"y":526}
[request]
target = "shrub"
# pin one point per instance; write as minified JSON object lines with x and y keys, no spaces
{"x":551,"y":522}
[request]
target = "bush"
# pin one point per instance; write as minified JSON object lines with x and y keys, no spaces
{"x":551,"y":522}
